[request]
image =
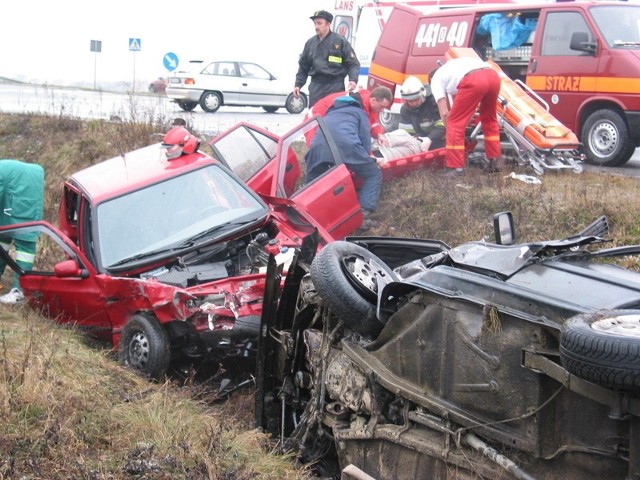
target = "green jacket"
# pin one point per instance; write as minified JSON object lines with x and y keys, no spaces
{"x":21,"y":193}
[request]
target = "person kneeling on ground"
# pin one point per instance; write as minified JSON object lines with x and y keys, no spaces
{"x":21,"y":198}
{"x":419,"y":114}
{"x":349,"y":126}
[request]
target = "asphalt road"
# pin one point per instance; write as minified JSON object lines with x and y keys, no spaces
{"x":106,"y":105}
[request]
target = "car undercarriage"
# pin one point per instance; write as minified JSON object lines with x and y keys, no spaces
{"x":422,"y":361}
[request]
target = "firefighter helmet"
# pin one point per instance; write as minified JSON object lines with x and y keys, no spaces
{"x":179,"y":141}
{"x":412,"y":88}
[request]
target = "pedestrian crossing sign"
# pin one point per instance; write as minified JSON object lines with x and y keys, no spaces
{"x":134,"y":44}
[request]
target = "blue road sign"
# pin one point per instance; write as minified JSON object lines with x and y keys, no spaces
{"x":170,"y":61}
{"x":134,"y":44}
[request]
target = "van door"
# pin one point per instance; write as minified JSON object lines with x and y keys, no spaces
{"x":563,"y":77}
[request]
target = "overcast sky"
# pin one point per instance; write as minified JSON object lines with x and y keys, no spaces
{"x":49,"y":40}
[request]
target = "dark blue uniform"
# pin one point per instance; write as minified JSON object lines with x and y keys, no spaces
{"x":327,"y":62}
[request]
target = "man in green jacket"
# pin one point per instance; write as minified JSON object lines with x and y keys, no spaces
{"x":21,"y":200}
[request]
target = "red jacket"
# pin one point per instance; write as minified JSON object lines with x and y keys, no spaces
{"x":322,"y":105}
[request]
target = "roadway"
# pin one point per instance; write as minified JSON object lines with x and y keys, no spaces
{"x":89,"y":104}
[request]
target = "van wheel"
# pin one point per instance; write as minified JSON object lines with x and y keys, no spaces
{"x":270,"y":109}
{"x":210,"y":102}
{"x":389,"y":120}
{"x":145,"y":346}
{"x":605,"y":137}
{"x":604,"y":348}
{"x":346,"y":276}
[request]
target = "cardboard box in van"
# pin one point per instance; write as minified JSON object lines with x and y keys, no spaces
{"x":582,"y":59}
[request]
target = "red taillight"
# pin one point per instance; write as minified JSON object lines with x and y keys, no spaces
{"x":189,"y":81}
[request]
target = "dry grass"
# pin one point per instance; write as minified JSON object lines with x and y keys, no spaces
{"x":69,"y":411}
{"x":456,"y":210}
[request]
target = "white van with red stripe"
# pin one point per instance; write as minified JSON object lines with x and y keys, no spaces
{"x":581,"y":59}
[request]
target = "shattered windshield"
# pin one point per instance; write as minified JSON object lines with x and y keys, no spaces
{"x":170,"y":213}
{"x":620,"y":25}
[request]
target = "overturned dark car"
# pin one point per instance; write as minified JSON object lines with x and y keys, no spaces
{"x":409,"y":359}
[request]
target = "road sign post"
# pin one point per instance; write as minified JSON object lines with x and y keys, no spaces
{"x":96,"y":47}
{"x":135,"y":45}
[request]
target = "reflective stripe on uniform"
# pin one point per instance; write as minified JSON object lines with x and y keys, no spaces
{"x":25,"y":257}
{"x":333,"y":59}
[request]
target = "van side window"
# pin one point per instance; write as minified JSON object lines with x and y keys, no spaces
{"x":557,"y":33}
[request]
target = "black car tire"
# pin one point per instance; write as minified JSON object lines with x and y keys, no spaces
{"x":337,"y":273}
{"x":270,"y":109}
{"x":606,"y":140}
{"x":296,"y":105}
{"x":145,"y":346}
{"x":604,"y":348}
{"x":186,"y":105}
{"x":210,"y":102}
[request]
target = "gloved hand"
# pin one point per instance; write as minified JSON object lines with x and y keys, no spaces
{"x":425,"y":144}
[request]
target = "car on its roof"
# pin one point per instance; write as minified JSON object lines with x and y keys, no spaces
{"x":406,"y":358}
{"x":213,"y":84}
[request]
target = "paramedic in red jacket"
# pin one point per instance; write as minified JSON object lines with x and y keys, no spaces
{"x":373,"y":102}
{"x":469,"y":81}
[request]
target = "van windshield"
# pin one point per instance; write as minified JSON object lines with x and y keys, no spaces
{"x":620,"y":25}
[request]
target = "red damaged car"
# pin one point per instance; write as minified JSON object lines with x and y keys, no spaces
{"x":166,"y":257}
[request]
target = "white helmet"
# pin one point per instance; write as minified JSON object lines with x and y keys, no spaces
{"x":412,"y":88}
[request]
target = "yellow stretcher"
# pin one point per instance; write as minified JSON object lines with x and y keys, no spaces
{"x":537,"y":137}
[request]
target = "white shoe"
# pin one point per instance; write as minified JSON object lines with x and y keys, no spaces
{"x":14,"y":296}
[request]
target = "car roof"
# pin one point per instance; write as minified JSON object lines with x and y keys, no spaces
{"x":133,"y":170}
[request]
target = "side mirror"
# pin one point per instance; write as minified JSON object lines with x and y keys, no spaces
{"x":580,"y":42}
{"x":504,"y":229}
{"x":69,"y":268}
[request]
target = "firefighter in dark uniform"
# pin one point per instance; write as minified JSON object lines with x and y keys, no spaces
{"x":419,"y":114}
{"x":327,"y":58}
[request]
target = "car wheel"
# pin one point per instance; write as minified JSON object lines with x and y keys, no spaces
{"x":606,"y":141}
{"x":296,"y":105}
{"x":604,"y":348}
{"x":145,"y":346}
{"x":270,"y":109}
{"x":389,"y":120}
{"x":186,"y":105}
{"x":345,"y":276}
{"x":210,"y":102}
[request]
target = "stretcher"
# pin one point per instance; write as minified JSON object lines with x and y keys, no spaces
{"x":537,"y":137}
